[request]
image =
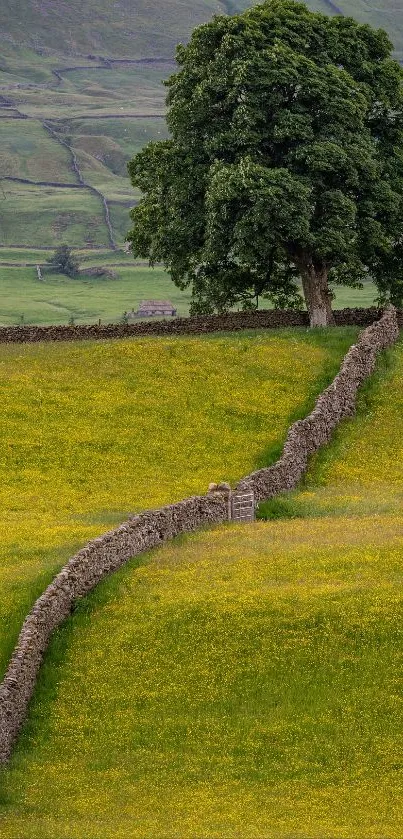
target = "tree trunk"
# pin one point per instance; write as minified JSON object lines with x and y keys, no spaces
{"x":316,"y":293}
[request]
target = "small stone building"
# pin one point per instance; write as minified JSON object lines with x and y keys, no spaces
{"x":154,"y":308}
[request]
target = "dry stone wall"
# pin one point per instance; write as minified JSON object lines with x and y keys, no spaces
{"x":335,"y":403}
{"x":231,"y":322}
{"x":96,"y":560}
{"x":104,"y":555}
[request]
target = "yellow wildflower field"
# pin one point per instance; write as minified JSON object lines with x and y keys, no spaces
{"x":362,"y":470}
{"x":91,"y":432}
{"x":244,"y":681}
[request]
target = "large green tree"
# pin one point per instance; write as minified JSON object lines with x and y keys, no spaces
{"x":285,"y":162}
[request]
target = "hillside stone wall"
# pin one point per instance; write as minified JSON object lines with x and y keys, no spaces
{"x":105,"y":554}
{"x":95,"y":561}
{"x":338,"y":401}
{"x":231,"y":322}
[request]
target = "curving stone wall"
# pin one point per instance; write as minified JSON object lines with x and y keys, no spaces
{"x":96,"y":560}
{"x":104,"y":555}
{"x":335,"y":403}
{"x":231,"y":322}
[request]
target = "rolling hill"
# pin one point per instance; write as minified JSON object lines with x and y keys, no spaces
{"x":128,"y":29}
{"x":242,"y":681}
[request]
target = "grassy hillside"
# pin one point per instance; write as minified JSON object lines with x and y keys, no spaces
{"x":135,"y":28}
{"x":242,"y":684}
{"x":35,"y":215}
{"x":239,"y":682}
{"x":94,"y":431}
{"x":132,"y":28}
{"x":31,"y":153}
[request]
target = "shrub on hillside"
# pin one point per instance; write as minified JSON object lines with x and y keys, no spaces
{"x":64,"y":262}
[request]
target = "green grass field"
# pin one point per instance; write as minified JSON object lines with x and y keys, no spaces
{"x":29,"y":152}
{"x":87,"y":299}
{"x":93,"y":431}
{"x":361,"y":473}
{"x":24,"y":298}
{"x":243,"y":681}
{"x":34,"y":215}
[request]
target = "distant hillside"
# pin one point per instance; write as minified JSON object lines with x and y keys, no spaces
{"x":128,"y":28}
{"x":138,"y":28}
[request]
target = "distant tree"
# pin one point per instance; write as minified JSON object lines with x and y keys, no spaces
{"x":285,"y":163}
{"x":64,"y":262}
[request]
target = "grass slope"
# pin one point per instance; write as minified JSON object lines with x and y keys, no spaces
{"x":29,"y":152}
{"x":137,"y":28}
{"x":239,"y":682}
{"x":244,"y":683}
{"x":361,"y":472}
{"x":94,"y":431}
{"x":48,"y":216}
{"x":132,"y":29}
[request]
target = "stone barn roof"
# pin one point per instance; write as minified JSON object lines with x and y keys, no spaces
{"x":149,"y":308}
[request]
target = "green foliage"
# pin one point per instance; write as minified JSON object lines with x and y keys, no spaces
{"x":285,"y":161}
{"x":63,"y":261}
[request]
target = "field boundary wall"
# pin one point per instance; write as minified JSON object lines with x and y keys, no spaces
{"x":104,"y":555}
{"x":200,"y":325}
{"x":338,"y":401}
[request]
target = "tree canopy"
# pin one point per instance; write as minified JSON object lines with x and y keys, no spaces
{"x":285,"y":162}
{"x":64,"y":261}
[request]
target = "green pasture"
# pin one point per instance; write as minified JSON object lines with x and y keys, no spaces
{"x":129,"y":135}
{"x":86,"y":299}
{"x":30,"y":214}
{"x":21,"y":64}
{"x":115,"y":188}
{"x":139,"y":85}
{"x":50,"y":216}
{"x":27,"y":151}
{"x":244,"y":681}
{"x":25,"y":256}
